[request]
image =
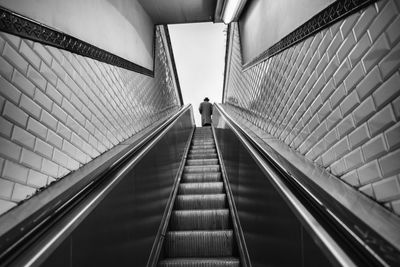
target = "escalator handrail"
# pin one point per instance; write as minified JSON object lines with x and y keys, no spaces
{"x":327,"y":208}
{"x":58,"y":210}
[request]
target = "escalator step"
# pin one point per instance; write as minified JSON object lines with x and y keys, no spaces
{"x":199,"y":243}
{"x":203,"y":156}
{"x":200,"y":202}
{"x":204,"y":168}
{"x":200,"y":219}
{"x":201,"y":177}
{"x":200,"y":262}
{"x":201,"y":188}
{"x":202,"y":151}
{"x":203,"y":142}
{"x":202,"y":146}
{"x":197,"y":162}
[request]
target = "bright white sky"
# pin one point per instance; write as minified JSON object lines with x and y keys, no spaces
{"x":199,"y":51}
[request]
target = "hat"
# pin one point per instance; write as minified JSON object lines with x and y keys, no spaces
{"x":206,"y":99}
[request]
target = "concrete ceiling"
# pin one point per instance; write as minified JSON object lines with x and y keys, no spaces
{"x":180,"y":11}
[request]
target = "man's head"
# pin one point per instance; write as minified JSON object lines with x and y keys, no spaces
{"x":206,"y":99}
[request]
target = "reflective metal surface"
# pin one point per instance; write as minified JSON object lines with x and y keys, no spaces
{"x":274,"y":236}
{"x":120,"y":231}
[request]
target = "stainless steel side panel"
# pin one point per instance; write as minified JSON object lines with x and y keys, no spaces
{"x":273,"y":234}
{"x":121,"y":230}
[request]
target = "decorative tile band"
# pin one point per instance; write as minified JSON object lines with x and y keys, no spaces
{"x":334,"y":12}
{"x":17,"y":24}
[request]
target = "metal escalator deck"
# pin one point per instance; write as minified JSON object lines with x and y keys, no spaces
{"x":200,"y":229}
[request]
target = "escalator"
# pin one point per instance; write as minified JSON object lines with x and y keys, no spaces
{"x":200,"y":229}
{"x":184,"y":196}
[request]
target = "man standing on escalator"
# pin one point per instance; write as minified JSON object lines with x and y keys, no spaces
{"x":206,"y":112}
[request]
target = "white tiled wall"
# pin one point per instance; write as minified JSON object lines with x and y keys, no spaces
{"x":335,"y":98}
{"x":60,"y":110}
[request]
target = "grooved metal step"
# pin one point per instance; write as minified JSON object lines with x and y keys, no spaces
{"x":197,"y":162}
{"x":199,"y":243}
{"x":201,"y":177}
{"x":197,"y":202}
{"x":200,"y":229}
{"x":203,"y":156}
{"x":201,"y":188}
{"x":200,"y":219}
{"x":204,"y":168}
{"x":202,"y":151}
{"x":200,"y":262}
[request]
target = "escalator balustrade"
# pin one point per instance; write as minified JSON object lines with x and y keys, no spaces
{"x":200,"y":229}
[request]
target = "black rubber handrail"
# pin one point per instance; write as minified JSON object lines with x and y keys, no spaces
{"x":346,"y":231}
{"x":24,"y":234}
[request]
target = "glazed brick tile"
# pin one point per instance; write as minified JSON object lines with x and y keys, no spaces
{"x":359,"y":50}
{"x":30,"y":107}
{"x":15,"y":172}
{"x":369,"y":172}
{"x":354,"y":77}
{"x":12,"y":56}
{"x":36,"y":78}
{"x":367,"y":190}
{"x":348,"y":43}
{"x":349,"y":103}
{"x":383,"y":20}
{"x":378,"y":50}
{"x":43,"y":100}
{"x":49,"y":168}
{"x":43,"y":148}
{"x":364,"y":111}
{"x":381,"y":120}
{"x":50,"y":76}
{"x":29,"y":54}
{"x":15,"y":114}
{"x":23,"y":137}
{"x":36,"y":128}
{"x":36,"y":179}
{"x":9,"y":149}
{"x":334,"y":45}
{"x":387,"y":189}
{"x":324,"y":111}
{"x":31,"y":159}
{"x":22,"y":192}
{"x":345,"y":126}
{"x":54,"y":139}
{"x":351,"y":178}
{"x":338,"y":95}
{"x":6,"y":69}
{"x":23,"y":84}
{"x":371,"y":81}
{"x":338,"y":168}
{"x":43,"y":53}
{"x":390,"y":62}
{"x":390,"y":163}
{"x":359,"y":136}
{"x":9,"y":91}
{"x":5,"y":127}
{"x":52,"y":92}
{"x":393,"y":136}
{"x":393,"y":32}
{"x":374,"y":148}
{"x":347,"y":25}
{"x":365,"y":20}
{"x":12,"y":40}
{"x":332,"y":67}
{"x":47,"y":119}
{"x":6,"y":188}
{"x":354,"y":159}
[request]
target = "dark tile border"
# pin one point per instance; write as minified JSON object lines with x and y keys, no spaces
{"x":17,"y":24}
{"x":333,"y":13}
